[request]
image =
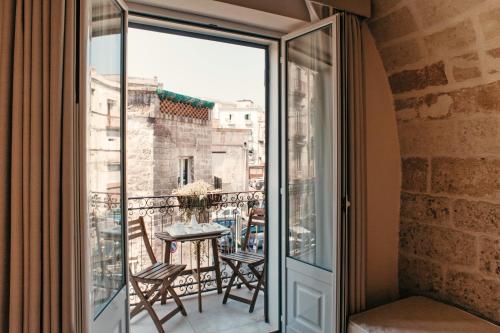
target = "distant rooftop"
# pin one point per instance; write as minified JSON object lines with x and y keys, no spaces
{"x":184,"y":99}
{"x":184,"y":106}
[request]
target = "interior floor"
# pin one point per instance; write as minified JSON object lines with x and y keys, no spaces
{"x":216,"y":317}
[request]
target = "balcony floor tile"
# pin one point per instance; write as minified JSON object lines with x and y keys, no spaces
{"x":216,"y":317}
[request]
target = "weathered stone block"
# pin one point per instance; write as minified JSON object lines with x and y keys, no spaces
{"x":432,"y":12}
{"x":401,"y":54}
{"x":489,"y":256}
{"x":461,"y":74}
{"x":416,"y":79}
{"x":479,"y":135}
{"x":484,"y":98}
{"x":478,"y":177}
{"x":490,"y":23}
{"x":418,"y":276}
{"x":438,"y":243}
{"x":427,"y":138}
{"x":473,"y":292}
{"x":424,"y":208}
{"x":465,"y":66}
{"x":415,"y":174}
{"x":477,"y":216}
{"x":452,"y":39}
{"x":408,"y":103}
{"x":397,"y":24}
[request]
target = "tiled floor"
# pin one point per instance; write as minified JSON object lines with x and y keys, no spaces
{"x":216,"y":317}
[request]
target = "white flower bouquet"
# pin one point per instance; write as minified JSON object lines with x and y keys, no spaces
{"x":196,"y":197}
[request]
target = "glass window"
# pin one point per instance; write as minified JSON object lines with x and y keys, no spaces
{"x":104,"y":158}
{"x":310,"y":148}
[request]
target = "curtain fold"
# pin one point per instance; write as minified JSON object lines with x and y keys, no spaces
{"x":37,"y":94}
{"x":355,"y":103}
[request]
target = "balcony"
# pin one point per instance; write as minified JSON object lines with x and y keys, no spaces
{"x":230,"y":210}
{"x":160,"y":211}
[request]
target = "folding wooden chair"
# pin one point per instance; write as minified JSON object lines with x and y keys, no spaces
{"x":252,"y":260}
{"x":159,"y":275}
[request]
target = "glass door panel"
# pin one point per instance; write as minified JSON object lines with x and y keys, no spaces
{"x":104,"y":154}
{"x":311,"y":177}
{"x":311,"y":143}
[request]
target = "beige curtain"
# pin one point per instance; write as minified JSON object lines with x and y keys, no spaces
{"x":354,"y":96}
{"x":37,"y":75}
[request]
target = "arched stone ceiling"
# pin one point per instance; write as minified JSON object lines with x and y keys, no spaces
{"x":442,"y":59}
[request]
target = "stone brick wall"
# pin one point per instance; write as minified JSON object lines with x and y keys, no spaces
{"x":443,"y":64}
{"x":156,"y":141}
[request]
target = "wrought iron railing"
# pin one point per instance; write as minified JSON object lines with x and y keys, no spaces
{"x":231,"y":210}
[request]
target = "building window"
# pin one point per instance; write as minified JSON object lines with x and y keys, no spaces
{"x":186,"y":171}
{"x":247,"y":116}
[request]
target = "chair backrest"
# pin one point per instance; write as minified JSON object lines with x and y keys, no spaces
{"x":136,"y":229}
{"x":257,"y":218}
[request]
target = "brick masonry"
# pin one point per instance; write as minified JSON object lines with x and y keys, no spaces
{"x":443,"y":63}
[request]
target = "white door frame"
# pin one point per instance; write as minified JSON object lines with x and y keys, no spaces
{"x":273,"y":161}
{"x":306,"y":269}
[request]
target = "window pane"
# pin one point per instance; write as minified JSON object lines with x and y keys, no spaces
{"x":310,"y":147}
{"x":104,"y":154}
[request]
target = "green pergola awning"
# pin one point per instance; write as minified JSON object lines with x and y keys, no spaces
{"x":179,"y":98}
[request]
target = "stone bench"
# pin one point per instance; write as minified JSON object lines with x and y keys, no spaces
{"x":418,"y":314}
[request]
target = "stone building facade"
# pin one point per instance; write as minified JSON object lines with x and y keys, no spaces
{"x":161,"y":134}
{"x":306,"y":130}
{"x":247,"y":115}
{"x":168,"y":132}
{"x":104,"y":134}
{"x":230,"y":157}
{"x":443,"y":65}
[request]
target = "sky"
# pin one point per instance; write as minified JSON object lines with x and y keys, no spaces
{"x":197,"y":67}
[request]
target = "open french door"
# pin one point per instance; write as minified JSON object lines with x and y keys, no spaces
{"x":104,"y":25}
{"x":311,"y":171}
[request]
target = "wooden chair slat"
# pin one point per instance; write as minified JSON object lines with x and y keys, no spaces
{"x":134,"y":236}
{"x":133,"y":222}
{"x":159,"y":273}
{"x":165,"y":272}
{"x":133,"y":229}
{"x":243,"y":256}
{"x":150,"y":270}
